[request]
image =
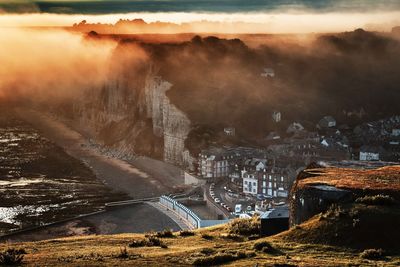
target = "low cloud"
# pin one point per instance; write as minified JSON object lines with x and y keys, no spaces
{"x":43,"y":64}
{"x":277,"y":22}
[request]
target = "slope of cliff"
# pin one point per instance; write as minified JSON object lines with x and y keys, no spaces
{"x":345,"y":207}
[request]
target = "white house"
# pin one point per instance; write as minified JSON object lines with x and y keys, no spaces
{"x":295,"y":127}
{"x":276,"y":116}
{"x":230,"y":131}
{"x":268,"y":72}
{"x":396,"y":132}
{"x":250,"y":183}
{"x":214,"y":163}
{"x":326,"y":122}
{"x":371,"y":153}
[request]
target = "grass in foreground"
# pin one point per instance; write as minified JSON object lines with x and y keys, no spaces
{"x":186,"y":250}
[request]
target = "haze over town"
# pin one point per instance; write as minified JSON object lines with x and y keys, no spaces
{"x":207,"y":133}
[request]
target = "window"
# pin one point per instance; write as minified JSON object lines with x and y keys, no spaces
{"x":254,"y":190}
{"x":254,"y":183}
{"x":245,"y":182}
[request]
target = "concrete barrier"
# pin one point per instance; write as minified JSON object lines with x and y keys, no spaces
{"x":187,"y":214}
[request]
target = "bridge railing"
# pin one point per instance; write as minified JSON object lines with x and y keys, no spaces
{"x":187,"y":214}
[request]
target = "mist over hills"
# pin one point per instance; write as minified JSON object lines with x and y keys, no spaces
{"x":223,"y":84}
{"x":331,"y":74}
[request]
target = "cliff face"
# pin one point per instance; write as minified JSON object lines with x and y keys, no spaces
{"x":168,"y":121}
{"x":131,"y":113}
{"x":316,"y":190}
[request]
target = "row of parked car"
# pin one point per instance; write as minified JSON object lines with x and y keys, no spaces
{"x":216,"y":199}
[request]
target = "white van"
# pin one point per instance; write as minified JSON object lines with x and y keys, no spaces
{"x":238,"y":208}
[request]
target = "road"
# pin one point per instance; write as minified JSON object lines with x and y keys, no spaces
{"x":219,"y":194}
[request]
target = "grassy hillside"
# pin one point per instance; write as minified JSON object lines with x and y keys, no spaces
{"x":361,"y":231}
{"x":217,"y":245}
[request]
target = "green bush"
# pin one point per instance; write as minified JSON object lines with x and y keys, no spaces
{"x":12,"y":256}
{"x":246,"y":227}
{"x":372,"y":254}
{"x":380,"y":200}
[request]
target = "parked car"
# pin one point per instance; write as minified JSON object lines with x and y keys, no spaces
{"x":217,"y":200}
{"x":238,"y":208}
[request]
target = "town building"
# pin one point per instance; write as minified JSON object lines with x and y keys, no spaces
{"x":214,"y":163}
{"x":268,"y":73}
{"x":371,"y":153}
{"x":396,"y":132}
{"x":273,"y":136}
{"x":295,"y":127}
{"x":272,"y":182}
{"x":250,"y":183}
{"x":276,"y":116}
{"x":326,"y":122}
{"x":220,"y":162}
{"x":275,"y":221}
{"x":230,"y":131}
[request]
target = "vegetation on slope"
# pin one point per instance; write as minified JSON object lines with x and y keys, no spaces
{"x":183,"y":250}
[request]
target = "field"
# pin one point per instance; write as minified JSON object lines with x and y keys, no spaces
{"x":206,"y":247}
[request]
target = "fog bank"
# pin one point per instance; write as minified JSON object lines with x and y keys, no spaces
{"x":276,"y":22}
{"x":49,"y":63}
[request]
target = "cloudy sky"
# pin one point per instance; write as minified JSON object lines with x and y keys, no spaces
{"x":226,"y":6}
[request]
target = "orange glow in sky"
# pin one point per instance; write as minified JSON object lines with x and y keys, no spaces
{"x":269,"y":22}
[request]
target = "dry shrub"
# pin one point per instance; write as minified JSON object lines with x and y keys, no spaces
{"x":266,"y":247}
{"x":149,"y":241}
{"x":186,"y":233}
{"x":372,"y":254}
{"x":380,"y":200}
{"x":123,"y":253}
{"x":208,"y":251}
{"x":207,"y":236}
{"x":246,"y":227}
{"x":221,"y":258}
{"x":165,"y":234}
{"x":12,"y":256}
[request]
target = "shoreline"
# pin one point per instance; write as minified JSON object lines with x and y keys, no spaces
{"x":119,"y":175}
